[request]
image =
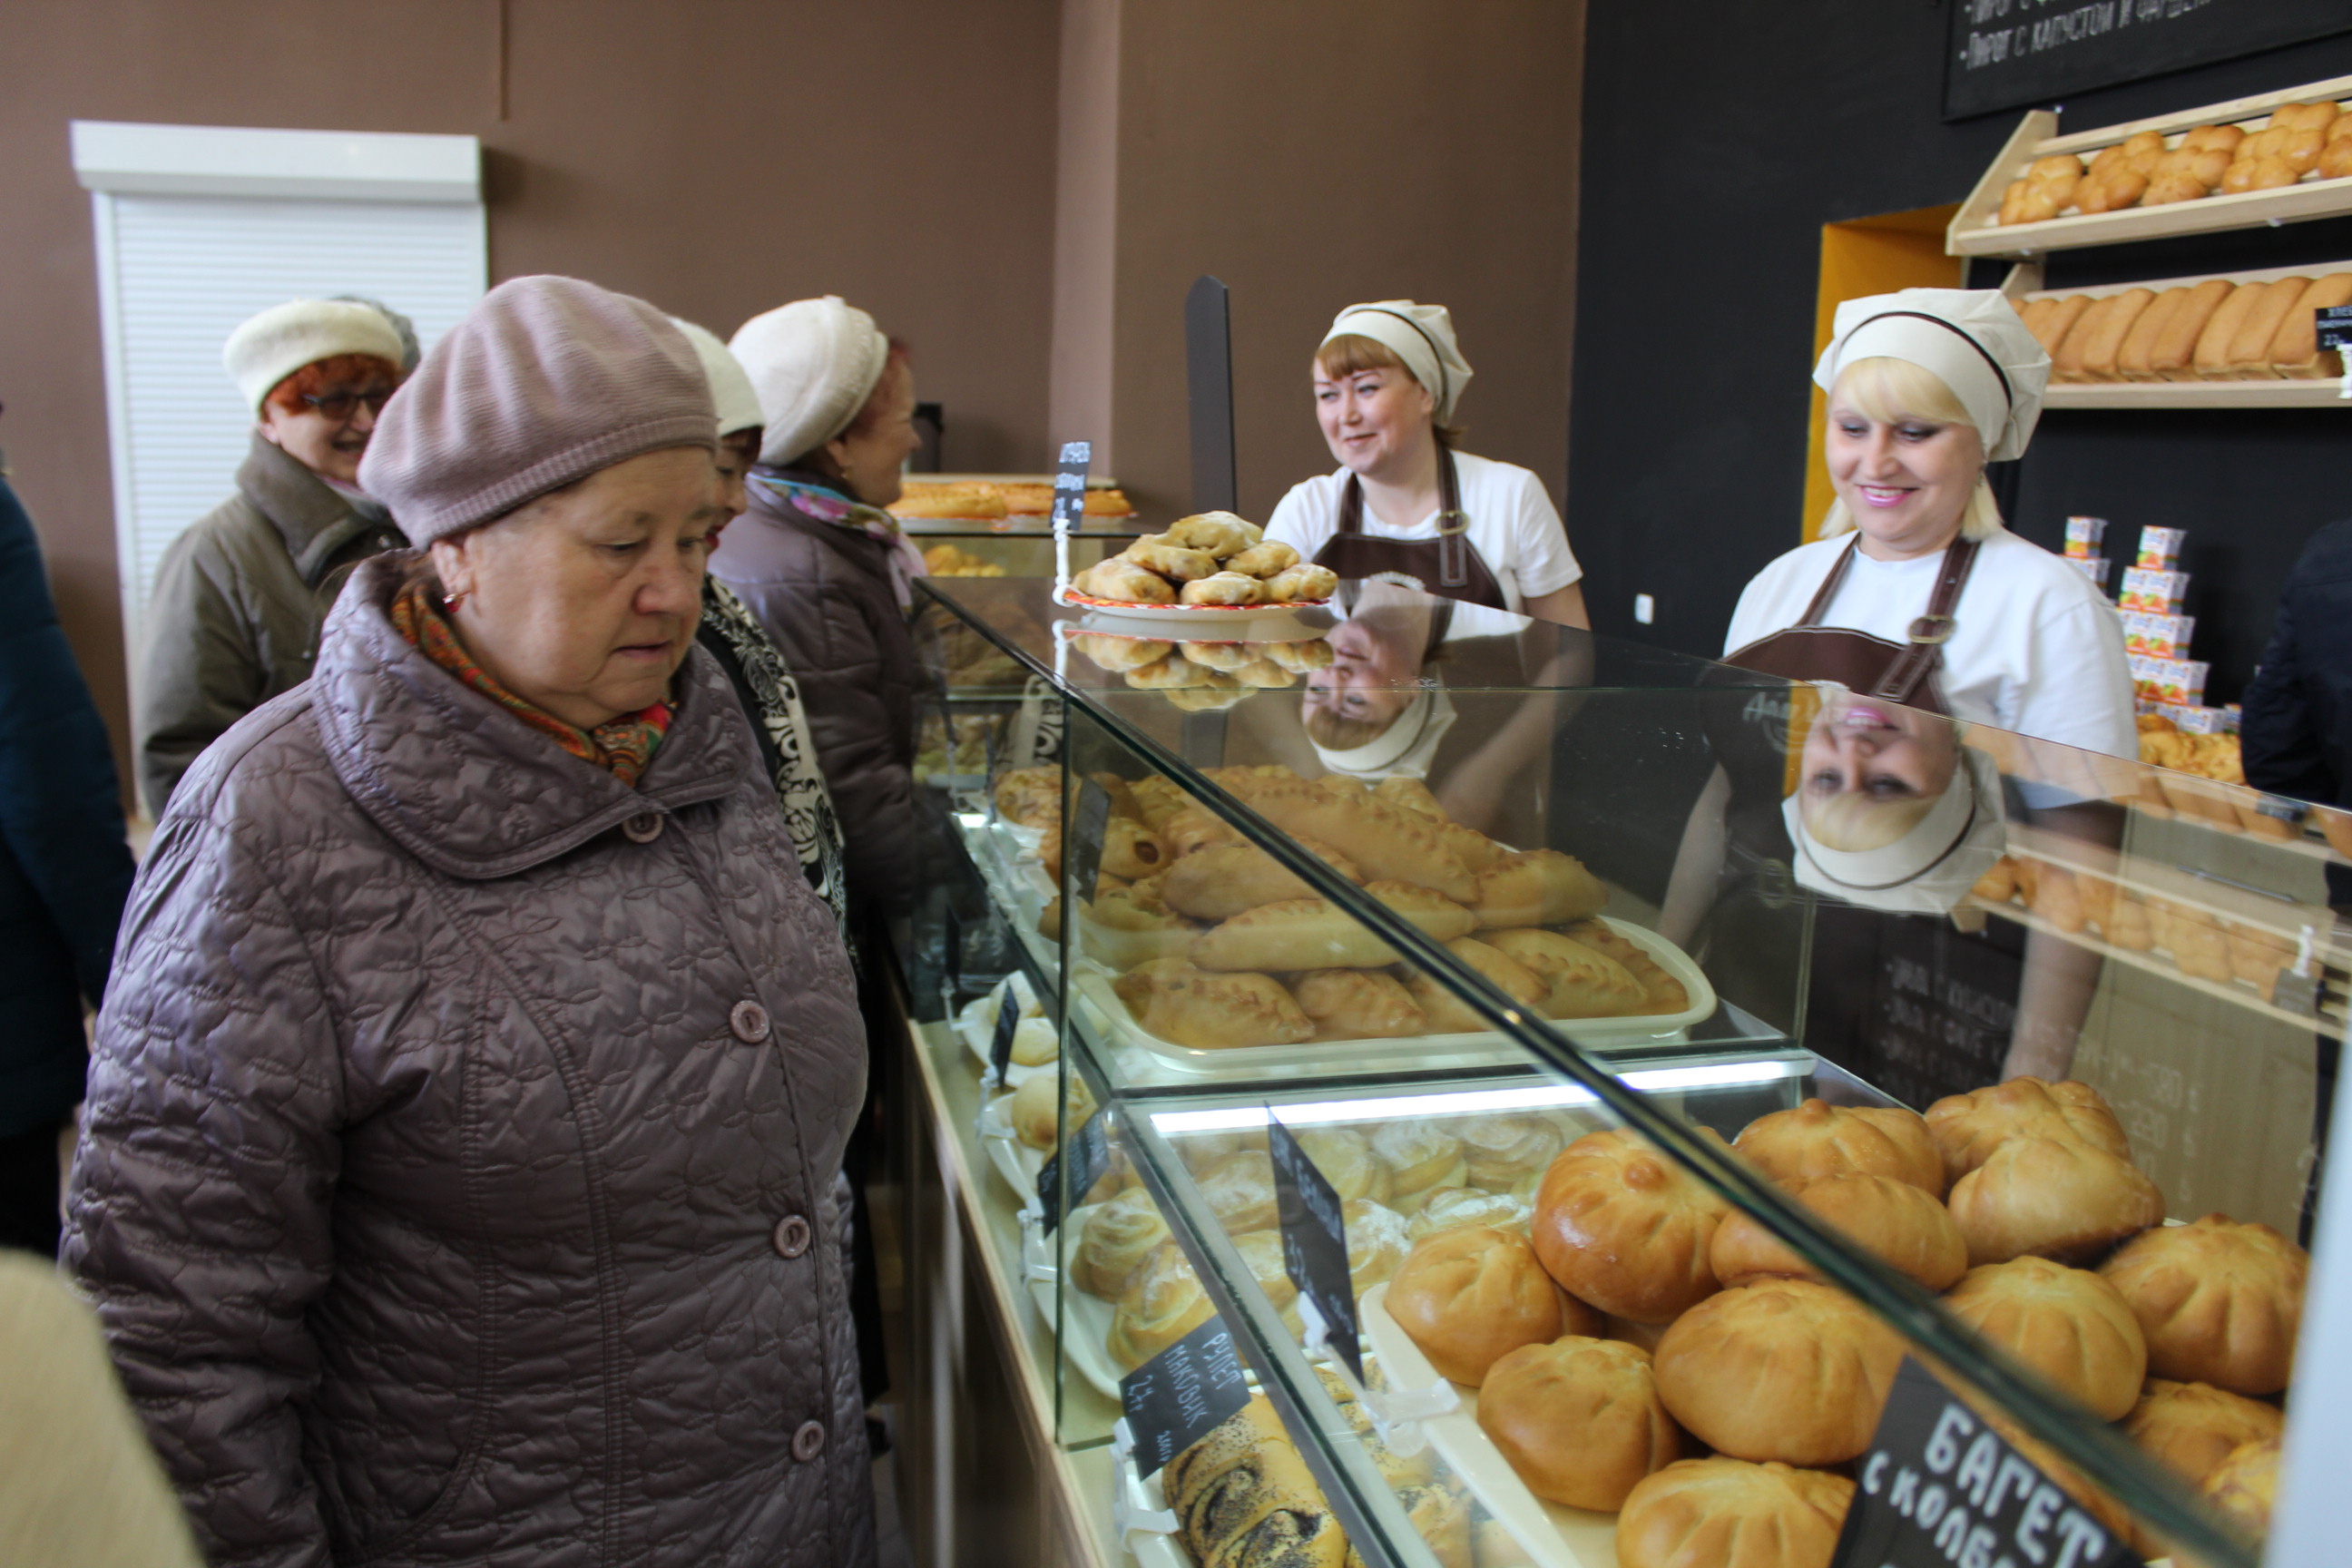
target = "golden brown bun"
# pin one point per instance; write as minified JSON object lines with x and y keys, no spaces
{"x":1344,"y":1156}
{"x":2191,"y":1428}
{"x":1221,"y":588}
{"x":2136,"y":361}
{"x":1538,"y":887}
{"x":1728,"y":1513}
{"x":1033,"y":1109}
{"x":2294,"y":350}
{"x":1582,"y":984}
{"x":2212,"y":138}
{"x":2066,"y":365}
{"x":1378,"y":1242}
{"x":1155,"y":553}
{"x":1388,"y":842}
{"x":1115,"y":654}
{"x":1471,"y":1295}
{"x":1304,"y":584}
{"x":1816,"y":1138}
{"x":1212,"y":1012}
{"x":1220,"y":881}
{"x":2249,"y":351}
{"x":1968,"y":1127}
{"x":1301,"y":657}
{"x":1264,"y":559}
{"x":2211,"y":357}
{"x":1164,"y":1302}
{"x":1422,"y":1156}
{"x":1030,"y":796}
{"x":1239,"y":1190}
{"x":2067,"y":1324}
{"x":2061,"y":322}
{"x":1446,"y":1013}
{"x":1356,"y":1004}
{"x":1579,"y":1420}
{"x":1893,"y":1220}
{"x":1124,"y":582}
{"x":1666,"y":994}
{"x":2052,"y":1197}
{"x":1119,"y":1236}
{"x":2172,"y":353}
{"x":2244,"y":1486}
{"x":2336,"y":158}
{"x":2101,"y":354}
{"x":1219,"y":533}
{"x":2111,"y":192}
{"x":920,"y":499}
{"x":1501,"y":1152}
{"x":1783,"y":1369}
{"x":1620,"y":1226}
{"x":2220,"y":1302}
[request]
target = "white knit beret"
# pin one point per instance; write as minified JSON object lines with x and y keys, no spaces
{"x":730,"y":389}
{"x":280,"y":340}
{"x":1972,"y":340}
{"x":813,"y":363}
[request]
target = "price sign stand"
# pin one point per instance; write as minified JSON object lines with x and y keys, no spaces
{"x":1069,"y":509}
{"x":1091,"y":1152}
{"x":1000,"y":1046}
{"x":1082,"y":860}
{"x":2336,"y":332}
{"x":1167,"y":1404}
{"x":1939,"y":1487}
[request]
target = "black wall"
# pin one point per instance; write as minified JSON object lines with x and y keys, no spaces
{"x":1716,"y":146}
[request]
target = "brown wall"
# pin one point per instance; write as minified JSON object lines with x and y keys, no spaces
{"x":1321,"y":152}
{"x":717,"y":158}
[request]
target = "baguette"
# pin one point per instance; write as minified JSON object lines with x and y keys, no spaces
{"x":2136,"y":360}
{"x":2296,"y":353}
{"x":2173,"y":356}
{"x":2036,"y":314}
{"x":2099,"y":353}
{"x":2211,"y":359}
{"x":2061,"y":322}
{"x":2068,"y":362}
{"x":2250,"y":349}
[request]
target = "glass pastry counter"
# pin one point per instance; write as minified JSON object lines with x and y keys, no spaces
{"x":1605,"y":1014}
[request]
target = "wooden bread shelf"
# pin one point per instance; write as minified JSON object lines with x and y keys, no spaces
{"x":1973,"y":231}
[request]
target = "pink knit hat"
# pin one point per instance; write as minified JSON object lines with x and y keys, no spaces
{"x":546,"y":381}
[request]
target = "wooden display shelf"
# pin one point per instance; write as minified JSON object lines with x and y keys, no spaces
{"x":1974,"y":232}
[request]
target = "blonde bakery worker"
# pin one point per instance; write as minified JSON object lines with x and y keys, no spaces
{"x":1407,"y":505}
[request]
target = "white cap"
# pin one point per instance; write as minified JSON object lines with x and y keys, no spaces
{"x":280,"y":340}
{"x":731,"y":388}
{"x":1420,"y":335}
{"x":813,"y":363}
{"x":1932,"y":866}
{"x":1969,"y":339}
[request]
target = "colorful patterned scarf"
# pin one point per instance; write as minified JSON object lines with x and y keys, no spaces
{"x":828,"y":505}
{"x":622,"y":747}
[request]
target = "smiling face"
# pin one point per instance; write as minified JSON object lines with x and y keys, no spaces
{"x":1378,"y":421}
{"x":1872,"y":770}
{"x":327,"y":431}
{"x":870,"y":456}
{"x":583,"y":603}
{"x":1374,"y":674}
{"x":1905,"y":477}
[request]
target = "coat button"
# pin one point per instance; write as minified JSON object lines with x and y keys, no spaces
{"x":809,"y":1441}
{"x":644,"y":827}
{"x":792,"y":1235}
{"x":749,"y":1022}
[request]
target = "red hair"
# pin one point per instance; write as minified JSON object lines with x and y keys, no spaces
{"x":314,"y":379}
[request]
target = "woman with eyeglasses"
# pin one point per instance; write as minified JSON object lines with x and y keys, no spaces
{"x":239,"y":597}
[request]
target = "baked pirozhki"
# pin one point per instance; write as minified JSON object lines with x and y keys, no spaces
{"x":1218,"y":882}
{"x":1302,"y":585}
{"x":1219,"y":534}
{"x":1423,"y":1158}
{"x":2067,"y":1324}
{"x":1728,"y":1513}
{"x":1536,"y":888}
{"x":1118,"y":654}
{"x":1155,"y":553}
{"x":1579,"y":1419}
{"x":1344,"y":1156}
{"x":1969,"y":1127}
{"x":1469,"y":1296}
{"x":1666,"y":994}
{"x":1221,"y":588}
{"x":2220,"y":1302}
{"x":1581,"y":982}
{"x":1446,"y":1013}
{"x":1620,"y":1226}
{"x":1388,"y":843}
{"x":1783,"y":1369}
{"x":1291,"y":934}
{"x":1209,"y":1010}
{"x":1818,"y":1138}
{"x":1356,"y":1004}
{"x":1302,"y":658}
{"x":2191,"y":1427}
{"x":1125,"y":581}
{"x":1264,"y":559}
{"x":1900,"y":1223}
{"x":2052,"y":1197}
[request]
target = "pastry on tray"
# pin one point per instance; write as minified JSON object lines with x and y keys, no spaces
{"x":1356,"y":1004}
{"x":1900,"y":1223}
{"x":1818,"y":1138}
{"x":2220,"y":1302}
{"x":1783,"y":1369}
{"x":1209,"y":1010}
{"x":1968,"y":1127}
{"x":2067,"y":1324}
{"x":1620,"y":1226}
{"x":1729,"y":1513}
{"x":2052,"y":1197}
{"x":1579,"y":1419}
{"x":1470,"y":1296}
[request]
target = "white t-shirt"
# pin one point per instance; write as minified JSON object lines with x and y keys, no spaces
{"x":2035,"y":648}
{"x":1513,"y":525}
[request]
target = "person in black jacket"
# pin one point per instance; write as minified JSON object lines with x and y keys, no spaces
{"x":2296,"y":734}
{"x":64,"y":870}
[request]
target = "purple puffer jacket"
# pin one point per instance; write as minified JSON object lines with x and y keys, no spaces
{"x":456,"y":1184}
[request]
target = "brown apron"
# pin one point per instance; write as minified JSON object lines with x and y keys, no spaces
{"x":1448,"y":565}
{"x":1867,"y":665}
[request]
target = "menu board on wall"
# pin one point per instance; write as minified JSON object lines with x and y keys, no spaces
{"x":2001,"y":54}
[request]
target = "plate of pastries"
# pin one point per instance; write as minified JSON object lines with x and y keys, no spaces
{"x":2214,"y":331}
{"x":1648,"y":1377}
{"x":1208,"y":566}
{"x":2295,"y":143}
{"x":1200,"y":675}
{"x":1036,"y":1045}
{"x":996,"y":500}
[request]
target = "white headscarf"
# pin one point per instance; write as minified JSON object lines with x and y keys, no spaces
{"x":1420,"y":335}
{"x":1931,"y":868}
{"x":1969,"y":339}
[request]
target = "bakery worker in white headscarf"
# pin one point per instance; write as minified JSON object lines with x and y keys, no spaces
{"x":1406,"y":504}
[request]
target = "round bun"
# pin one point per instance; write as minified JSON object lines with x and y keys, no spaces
{"x":1164,"y":1302}
{"x":1899,"y":1223}
{"x":2220,"y":1302}
{"x":1783,"y":1369}
{"x":1451,"y":1207}
{"x":1620,"y":1228}
{"x":1727,"y":1514}
{"x":1345,"y":1158}
{"x":1579,"y":1420}
{"x":2191,"y":1427}
{"x":1818,"y":1138}
{"x":2244,"y":1486}
{"x":2052,"y":1197}
{"x":1469,"y":1297}
{"x":1422,"y":1157}
{"x":1120,"y":1234}
{"x":1969,"y":1127}
{"x":1239,"y":1190}
{"x":2067,"y":1324}
{"x":1498,"y":1152}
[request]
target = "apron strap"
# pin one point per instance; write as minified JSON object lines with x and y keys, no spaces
{"x":1830,"y":586}
{"x":1928,"y":635}
{"x":1452,"y":523}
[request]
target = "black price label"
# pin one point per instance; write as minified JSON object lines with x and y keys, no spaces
{"x":1182,"y":1394}
{"x":1008,"y":1020}
{"x":2335,"y":326}
{"x":1092,"y":1147}
{"x":1070,"y":486}
{"x":1939,"y":1487}
{"x":1314,"y":1241}
{"x":1083,"y":847}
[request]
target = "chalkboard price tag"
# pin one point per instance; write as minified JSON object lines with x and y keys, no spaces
{"x":2335,"y":326}
{"x":1092,"y":1147}
{"x":1314,"y":1241}
{"x":1182,"y":1394}
{"x":1070,"y":485}
{"x":1008,"y":1024}
{"x":1938,"y":1487}
{"x":1082,"y":857}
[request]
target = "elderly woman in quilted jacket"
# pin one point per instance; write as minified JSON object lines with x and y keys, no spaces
{"x":457,"y":1180}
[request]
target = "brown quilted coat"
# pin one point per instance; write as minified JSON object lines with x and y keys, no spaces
{"x":458,"y":1181}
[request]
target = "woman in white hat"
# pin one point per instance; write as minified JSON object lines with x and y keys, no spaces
{"x":240,"y":596}
{"x":1407,"y":505}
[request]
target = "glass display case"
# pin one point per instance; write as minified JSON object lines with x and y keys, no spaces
{"x":1603,"y":991}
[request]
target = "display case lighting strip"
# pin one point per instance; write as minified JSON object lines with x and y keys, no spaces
{"x":1238,"y":1118}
